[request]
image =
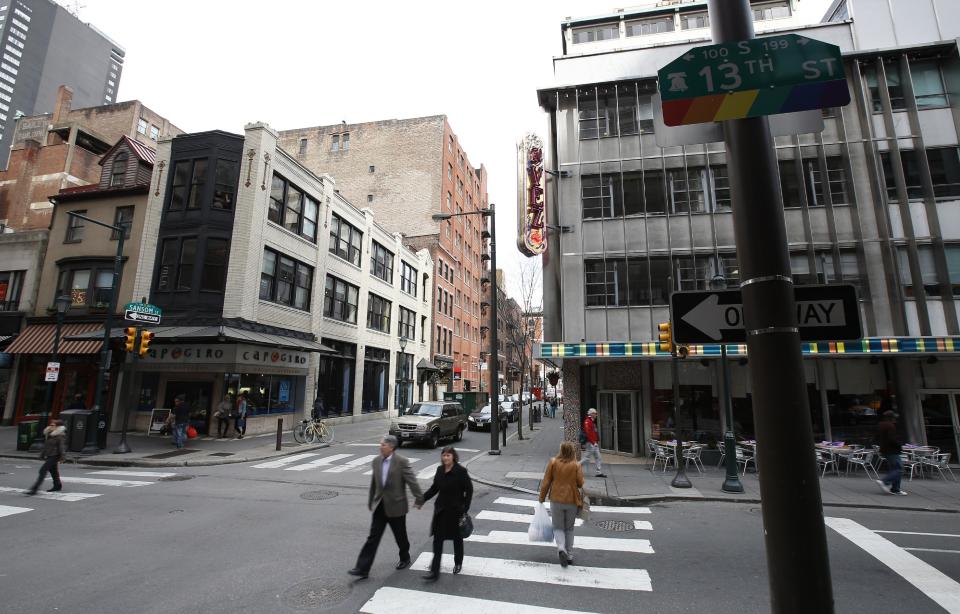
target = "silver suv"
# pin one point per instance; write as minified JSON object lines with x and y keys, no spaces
{"x":430,"y":421}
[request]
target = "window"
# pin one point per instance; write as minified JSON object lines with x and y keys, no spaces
{"x":213,"y":277}
{"x":76,"y":284}
{"x":340,"y":300}
{"x":11,"y":284}
{"x":142,"y":126}
{"x":188,"y":255}
{"x":928,"y":271}
{"x":928,"y":84}
{"x":123,"y":218}
{"x":373,"y":168}
{"x":168,"y":260}
{"x":602,"y":32}
{"x":774,"y":10}
{"x":335,"y":142}
{"x":408,"y":279}
{"x":286,"y":281}
{"x":953,"y":267}
{"x":693,"y":21}
{"x":685,"y":190}
{"x":303,"y":147}
{"x":291,"y":208}
{"x":894,"y":88}
{"x":944,"y":172}
{"x":439,"y":335}
{"x":643,"y":193}
{"x":102,"y":288}
{"x":118,"y":172}
{"x":74,"y":228}
{"x":154,"y":133}
{"x":836,"y":180}
{"x":600,"y":196}
{"x":381,"y":262}
{"x":345,"y":240}
{"x":189,"y":177}
{"x":620,"y":282}
{"x":345,"y":141}
{"x":595,"y":110}
{"x":407,"y":328}
{"x":225,"y":183}
{"x":378,"y":313}
{"x":449,"y":171}
{"x":650,"y":26}
{"x":369,"y":198}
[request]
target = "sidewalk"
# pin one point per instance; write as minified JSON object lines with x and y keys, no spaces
{"x":157,"y":451}
{"x":630,"y":481}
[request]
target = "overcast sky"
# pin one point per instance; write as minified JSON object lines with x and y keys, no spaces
{"x":219,"y":64}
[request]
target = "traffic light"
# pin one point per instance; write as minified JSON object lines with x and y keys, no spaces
{"x":131,"y":338}
{"x":666,"y":336}
{"x":145,"y":338}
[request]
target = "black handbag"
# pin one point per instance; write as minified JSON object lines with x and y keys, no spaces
{"x":465,"y":526}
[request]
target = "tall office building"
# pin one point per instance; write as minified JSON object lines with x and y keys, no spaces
{"x":44,"y":46}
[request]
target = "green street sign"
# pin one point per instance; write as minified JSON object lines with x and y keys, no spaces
{"x":762,"y":76}
{"x":142,"y":313}
{"x":143,"y":308}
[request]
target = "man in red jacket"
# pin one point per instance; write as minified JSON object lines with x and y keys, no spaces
{"x":592,"y":447}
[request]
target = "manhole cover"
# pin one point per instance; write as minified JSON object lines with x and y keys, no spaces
{"x":319,"y":495}
{"x":615,"y":525}
{"x":175,"y":478}
{"x":313,"y":594}
{"x":221,"y":454}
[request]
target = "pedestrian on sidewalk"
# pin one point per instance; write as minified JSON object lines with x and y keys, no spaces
{"x":454,"y":491}
{"x":181,"y":419}
{"x":240,"y":424}
{"x":53,"y":453}
{"x":387,"y":500}
{"x":890,"y":449}
{"x":592,"y":445}
{"x":319,"y":409}
{"x":224,"y":409}
{"x":562,"y":483}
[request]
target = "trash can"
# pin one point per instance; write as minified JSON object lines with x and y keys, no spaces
{"x":26,"y":433}
{"x":77,"y":422}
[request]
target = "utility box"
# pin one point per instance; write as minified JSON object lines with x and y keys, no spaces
{"x":77,"y":422}
{"x":470,"y":401}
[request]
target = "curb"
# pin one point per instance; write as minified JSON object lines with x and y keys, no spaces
{"x":196,"y":462}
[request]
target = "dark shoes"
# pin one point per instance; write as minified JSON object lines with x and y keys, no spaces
{"x":403,"y":564}
{"x":563,"y":558}
{"x":356,"y":571}
{"x":457,"y":568}
{"x":570,"y":560}
{"x":601,"y":475}
{"x":31,"y":492}
{"x":431,"y":577}
{"x":55,"y":489}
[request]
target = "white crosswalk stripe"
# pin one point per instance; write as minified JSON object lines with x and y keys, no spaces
{"x":412,"y":460}
{"x":286,"y":460}
{"x":389,"y":600}
{"x":10,"y":510}
{"x":320,"y":462}
{"x":512,"y":517}
{"x":67,"y":497}
{"x":611,"y":544}
{"x":428,"y":472}
{"x":105,"y":482}
{"x":352,"y":464}
{"x":597,"y":509}
{"x":134,"y":474}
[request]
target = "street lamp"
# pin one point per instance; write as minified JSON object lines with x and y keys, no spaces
{"x":489,"y":212}
{"x":62,"y":304}
{"x":732,"y":481}
{"x":403,"y":373}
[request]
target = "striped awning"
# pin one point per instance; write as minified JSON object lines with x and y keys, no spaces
{"x":38,"y":339}
{"x":652,"y":349}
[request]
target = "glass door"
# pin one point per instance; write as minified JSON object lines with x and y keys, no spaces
{"x":607,"y":421}
{"x":616,"y":419}
{"x":940,"y":423}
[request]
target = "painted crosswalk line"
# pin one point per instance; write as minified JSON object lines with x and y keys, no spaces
{"x":389,"y":600}
{"x":10,"y":510}
{"x":512,"y":517}
{"x":134,"y":474}
{"x":642,"y":525}
{"x":580,"y":542}
{"x":525,"y":475}
{"x":412,"y":460}
{"x":428,"y":472}
{"x":105,"y":482}
{"x":286,"y":460}
{"x":929,"y":580}
{"x":594,"y":509}
{"x":547,"y":573}
{"x":68,"y":497}
{"x":320,"y":462}
{"x":356,"y":463}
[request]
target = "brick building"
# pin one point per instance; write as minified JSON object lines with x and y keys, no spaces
{"x":407,"y":170}
{"x":62,"y":149}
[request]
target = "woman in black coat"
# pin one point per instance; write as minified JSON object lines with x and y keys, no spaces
{"x":454,"y":490}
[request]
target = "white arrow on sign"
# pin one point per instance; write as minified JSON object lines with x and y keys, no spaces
{"x":710,"y":318}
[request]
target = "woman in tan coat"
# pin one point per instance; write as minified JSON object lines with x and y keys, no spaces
{"x":562,"y":482}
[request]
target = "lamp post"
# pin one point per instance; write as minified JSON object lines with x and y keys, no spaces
{"x":62,"y":304}
{"x":489,"y":212}
{"x":531,"y":328}
{"x":731,"y":482}
{"x":403,"y":372}
{"x":680,"y":479}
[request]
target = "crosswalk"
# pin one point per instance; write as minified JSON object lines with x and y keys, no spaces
{"x":97,"y":479}
{"x":338,"y":463}
{"x":500,"y":549}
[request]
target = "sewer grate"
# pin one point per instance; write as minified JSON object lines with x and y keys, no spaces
{"x":176,"y":478}
{"x":315,"y":594}
{"x":173,"y":453}
{"x":221,"y":454}
{"x":319,"y":495}
{"x":615,"y":525}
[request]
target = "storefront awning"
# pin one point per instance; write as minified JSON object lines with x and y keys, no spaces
{"x":227,"y":333}
{"x":651,"y":349}
{"x":38,"y":339}
{"x":426,"y":365}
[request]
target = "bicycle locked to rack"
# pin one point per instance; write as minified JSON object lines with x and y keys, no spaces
{"x":313,"y":431}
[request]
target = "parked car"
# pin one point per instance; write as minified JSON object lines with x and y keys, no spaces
{"x":480,"y":420}
{"x":430,"y":422}
{"x":510,"y":409}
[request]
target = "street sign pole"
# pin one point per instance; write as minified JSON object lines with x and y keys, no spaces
{"x":796,"y":544}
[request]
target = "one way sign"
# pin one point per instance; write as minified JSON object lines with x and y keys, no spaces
{"x":823,"y":313}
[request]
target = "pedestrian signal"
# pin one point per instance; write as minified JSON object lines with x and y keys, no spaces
{"x":130,"y":338}
{"x":666,"y":336}
{"x":145,"y":338}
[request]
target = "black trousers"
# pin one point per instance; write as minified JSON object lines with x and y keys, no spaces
{"x":240,"y":426}
{"x":50,"y":465}
{"x":438,"y":551}
{"x":223,"y":426}
{"x":378,"y":525}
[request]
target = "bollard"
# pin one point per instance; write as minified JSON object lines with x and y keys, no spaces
{"x":279,"y":432}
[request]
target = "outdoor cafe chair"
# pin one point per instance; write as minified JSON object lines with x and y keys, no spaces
{"x":862,"y":458}
{"x":939,"y":462}
{"x":745,"y":457}
{"x":665,"y":455}
{"x":693,"y":454}
{"x":824,"y":461}
{"x":909,"y":464}
{"x":723,"y":453}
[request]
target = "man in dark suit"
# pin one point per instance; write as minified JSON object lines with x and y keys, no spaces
{"x":391,"y":477}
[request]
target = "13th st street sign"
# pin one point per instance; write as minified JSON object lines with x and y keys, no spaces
{"x":762,"y":76}
{"x":823,"y":313}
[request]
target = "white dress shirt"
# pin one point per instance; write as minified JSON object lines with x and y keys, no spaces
{"x":384,"y":469}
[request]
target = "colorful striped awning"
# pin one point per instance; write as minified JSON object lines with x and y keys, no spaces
{"x":38,"y":339}
{"x":651,"y":349}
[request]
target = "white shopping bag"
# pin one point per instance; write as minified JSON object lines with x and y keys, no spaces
{"x":541,"y":527}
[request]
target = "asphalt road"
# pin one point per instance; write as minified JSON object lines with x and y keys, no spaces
{"x":243,"y":539}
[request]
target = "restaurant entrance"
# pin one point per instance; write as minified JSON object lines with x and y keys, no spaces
{"x":941,"y":427}
{"x":617,"y":421}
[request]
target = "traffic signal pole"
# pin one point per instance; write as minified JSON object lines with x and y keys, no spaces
{"x":797,"y":560}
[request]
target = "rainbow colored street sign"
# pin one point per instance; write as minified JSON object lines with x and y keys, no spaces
{"x":762,"y":76}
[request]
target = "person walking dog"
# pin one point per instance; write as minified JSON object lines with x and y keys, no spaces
{"x":54,"y":451}
{"x":454,"y":491}
{"x":562,"y":483}
{"x":387,"y":500}
{"x":592,"y":445}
